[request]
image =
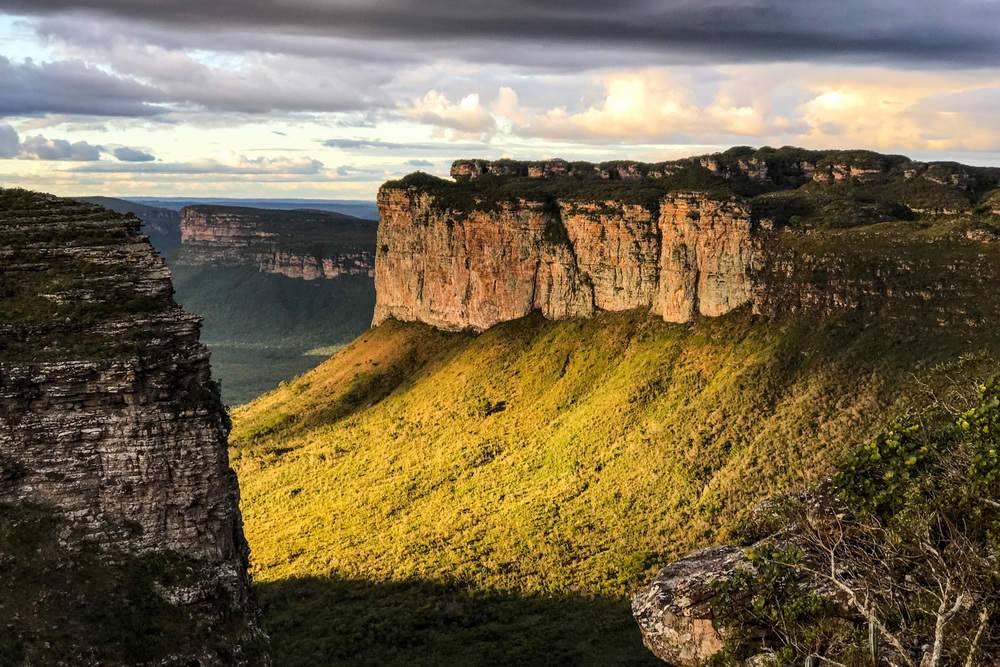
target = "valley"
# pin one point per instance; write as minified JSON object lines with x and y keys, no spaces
{"x":273,"y":286}
{"x":542,"y":436}
{"x":577,"y":375}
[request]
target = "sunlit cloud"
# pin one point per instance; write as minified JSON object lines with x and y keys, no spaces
{"x":465,"y":115}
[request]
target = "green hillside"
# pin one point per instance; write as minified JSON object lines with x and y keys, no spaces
{"x":261,"y":327}
{"x":429,"y":498}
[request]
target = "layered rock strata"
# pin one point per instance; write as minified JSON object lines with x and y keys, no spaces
{"x":786,"y":167}
{"x":109,"y":420}
{"x":307,"y":245}
{"x":497,"y":244}
{"x":473,"y":271}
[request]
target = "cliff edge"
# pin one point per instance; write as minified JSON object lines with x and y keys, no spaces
{"x":121,"y":540}
{"x":303,"y":244}
{"x":777,"y":230}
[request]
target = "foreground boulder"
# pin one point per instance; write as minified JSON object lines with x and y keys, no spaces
{"x":674,"y":611}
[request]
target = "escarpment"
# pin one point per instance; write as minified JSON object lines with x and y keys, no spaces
{"x":777,"y":231}
{"x":303,"y":244}
{"x":121,"y":523}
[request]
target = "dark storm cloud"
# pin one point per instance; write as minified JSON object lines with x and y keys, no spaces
{"x":71,"y":87}
{"x":126,"y":154}
{"x":962,"y":32}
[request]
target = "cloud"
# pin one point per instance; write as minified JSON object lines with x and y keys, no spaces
{"x":242,"y":166}
{"x":126,"y":154}
{"x":10,"y":142}
{"x":396,"y":147}
{"x":422,"y":164}
{"x":642,"y":106}
{"x":360,"y":174}
{"x":957,"y":33}
{"x":466,"y":115}
{"x":757,"y":104}
{"x":72,"y":87}
{"x":40,"y":148}
{"x":363,"y":144}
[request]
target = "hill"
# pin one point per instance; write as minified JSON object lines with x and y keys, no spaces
{"x":510,"y":489}
{"x":660,"y":347}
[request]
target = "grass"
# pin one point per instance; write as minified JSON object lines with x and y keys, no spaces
{"x":544,"y":462}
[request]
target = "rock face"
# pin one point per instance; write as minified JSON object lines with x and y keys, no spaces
{"x":110,"y":420}
{"x":473,"y":271}
{"x":161,"y":225}
{"x":779,"y":231}
{"x":308,"y":245}
{"x":674,"y":611}
{"x":708,"y":255}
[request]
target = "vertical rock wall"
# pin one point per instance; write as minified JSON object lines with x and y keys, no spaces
{"x":707,"y":257}
{"x":472,"y":270}
{"x":109,"y":418}
{"x":306,"y":245}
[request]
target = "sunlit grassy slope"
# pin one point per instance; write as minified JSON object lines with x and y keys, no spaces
{"x":427,"y":497}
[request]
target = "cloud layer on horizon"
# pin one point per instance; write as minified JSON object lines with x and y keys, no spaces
{"x":382,"y":88}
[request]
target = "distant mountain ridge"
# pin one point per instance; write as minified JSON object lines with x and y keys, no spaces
{"x":357,"y":207}
{"x":303,"y":244}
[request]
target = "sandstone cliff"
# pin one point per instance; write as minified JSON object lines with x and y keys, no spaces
{"x":309,"y":245}
{"x":112,"y":453}
{"x":780,"y":231}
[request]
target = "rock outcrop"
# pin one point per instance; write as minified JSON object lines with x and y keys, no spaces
{"x":307,"y":245}
{"x":707,"y":257}
{"x":783,"y":230}
{"x":110,"y":422}
{"x":674,"y":611}
{"x":161,"y":225}
{"x":473,"y":271}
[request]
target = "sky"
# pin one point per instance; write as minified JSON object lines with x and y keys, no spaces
{"x":329,"y":98}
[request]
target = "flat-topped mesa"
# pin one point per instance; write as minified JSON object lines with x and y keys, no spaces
{"x":113,"y":453}
{"x":784,"y":230}
{"x":301,"y":244}
{"x":782,"y":167}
